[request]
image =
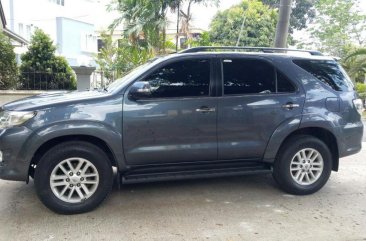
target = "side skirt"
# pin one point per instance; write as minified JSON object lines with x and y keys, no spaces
{"x":165,"y":172}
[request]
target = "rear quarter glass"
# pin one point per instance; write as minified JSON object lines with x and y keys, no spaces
{"x":328,"y":72}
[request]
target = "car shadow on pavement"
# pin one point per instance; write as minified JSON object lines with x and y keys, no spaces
{"x":22,"y":198}
{"x":231,"y":207}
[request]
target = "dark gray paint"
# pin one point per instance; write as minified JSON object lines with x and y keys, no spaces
{"x":169,"y":131}
{"x":172,"y":131}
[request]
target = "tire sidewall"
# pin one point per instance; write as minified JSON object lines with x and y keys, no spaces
{"x":282,"y":165}
{"x":59,"y":153}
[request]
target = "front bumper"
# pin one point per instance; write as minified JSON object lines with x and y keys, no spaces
{"x":14,"y":165}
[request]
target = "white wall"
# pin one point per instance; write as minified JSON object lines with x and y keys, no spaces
{"x":23,"y":16}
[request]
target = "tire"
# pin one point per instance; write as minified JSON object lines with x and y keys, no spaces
{"x":289,"y":166}
{"x":91,"y":183}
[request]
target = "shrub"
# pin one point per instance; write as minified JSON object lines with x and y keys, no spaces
{"x":42,"y":69}
{"x":8,"y":64}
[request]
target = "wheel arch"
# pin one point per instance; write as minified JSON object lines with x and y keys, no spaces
{"x":322,"y":134}
{"x":42,"y":149}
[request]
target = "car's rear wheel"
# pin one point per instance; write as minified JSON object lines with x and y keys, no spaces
{"x":73,"y":177}
{"x":303,"y":165}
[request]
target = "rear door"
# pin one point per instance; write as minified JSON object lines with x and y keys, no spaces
{"x":256,"y":99}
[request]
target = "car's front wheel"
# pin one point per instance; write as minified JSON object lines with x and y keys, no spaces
{"x":303,"y":165}
{"x":73,"y":177}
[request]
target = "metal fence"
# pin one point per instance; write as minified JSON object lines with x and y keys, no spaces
{"x":38,"y":80}
{"x":101,"y":79}
{"x":46,"y":81}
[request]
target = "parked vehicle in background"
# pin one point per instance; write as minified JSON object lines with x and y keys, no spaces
{"x":203,"y":112}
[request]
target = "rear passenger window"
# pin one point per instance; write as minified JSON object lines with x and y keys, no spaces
{"x":247,"y":76}
{"x":328,"y":72}
{"x":251,"y":76}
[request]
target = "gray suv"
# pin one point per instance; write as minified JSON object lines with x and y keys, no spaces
{"x":204,"y":112}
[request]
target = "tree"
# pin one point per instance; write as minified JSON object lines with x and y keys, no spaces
{"x":42,"y":69}
{"x":130,"y":57}
{"x":186,"y":16}
{"x":144,"y":21}
{"x":107,"y":56}
{"x":283,"y":24}
{"x":141,"y":21}
{"x":355,"y":64}
{"x":258,"y":29}
{"x":302,"y":12}
{"x":8,"y":64}
{"x":203,"y":40}
{"x":339,"y":24}
{"x":115,"y":59}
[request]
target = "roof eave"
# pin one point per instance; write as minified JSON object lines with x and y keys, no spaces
{"x":15,"y":36}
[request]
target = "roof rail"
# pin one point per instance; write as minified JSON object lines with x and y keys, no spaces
{"x":262,"y":49}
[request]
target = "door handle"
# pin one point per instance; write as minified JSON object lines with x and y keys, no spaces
{"x":290,"y":106}
{"x":205,"y":109}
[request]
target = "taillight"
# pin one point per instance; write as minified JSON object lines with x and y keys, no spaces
{"x":359,"y":105}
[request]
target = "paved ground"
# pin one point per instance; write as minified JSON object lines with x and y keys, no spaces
{"x":244,"y":208}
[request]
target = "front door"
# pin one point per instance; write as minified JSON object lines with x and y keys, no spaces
{"x":256,"y":99}
{"x":177,"y":123}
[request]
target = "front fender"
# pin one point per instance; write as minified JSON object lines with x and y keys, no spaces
{"x":96,"y":129}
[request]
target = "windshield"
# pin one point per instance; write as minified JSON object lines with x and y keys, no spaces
{"x":133,"y":73}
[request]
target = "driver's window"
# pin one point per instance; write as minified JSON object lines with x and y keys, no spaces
{"x":185,"y":78}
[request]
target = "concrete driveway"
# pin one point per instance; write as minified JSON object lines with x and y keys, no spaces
{"x":241,"y":208}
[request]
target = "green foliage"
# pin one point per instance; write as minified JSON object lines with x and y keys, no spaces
{"x":303,"y":12}
{"x":143,"y":20}
{"x":41,"y":69}
{"x":116,"y":59}
{"x":203,"y":40}
{"x":362,"y":96}
{"x":259,"y":25}
{"x":130,"y":56}
{"x":355,"y":64}
{"x":361,"y":90}
{"x":8,"y":64}
{"x":360,"y":87}
{"x":339,"y":24}
{"x":170,"y":47}
{"x":106,"y":58}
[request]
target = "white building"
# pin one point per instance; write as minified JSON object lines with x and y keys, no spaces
{"x":16,"y":40}
{"x":69,"y":23}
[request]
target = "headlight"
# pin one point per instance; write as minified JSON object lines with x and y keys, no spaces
{"x":14,"y":118}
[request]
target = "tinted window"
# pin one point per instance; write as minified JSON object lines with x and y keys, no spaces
{"x":284,"y":85}
{"x":187,"y":78}
{"x":328,"y":72}
{"x":246,"y":76}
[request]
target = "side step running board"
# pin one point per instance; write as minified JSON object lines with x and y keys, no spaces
{"x":198,"y":174}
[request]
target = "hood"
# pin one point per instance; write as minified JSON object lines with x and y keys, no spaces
{"x":50,"y":99}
